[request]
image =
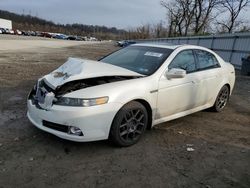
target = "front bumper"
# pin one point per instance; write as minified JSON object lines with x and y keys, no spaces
{"x":94,"y":121}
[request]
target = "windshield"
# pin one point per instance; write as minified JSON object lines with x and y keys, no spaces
{"x":140,"y":59}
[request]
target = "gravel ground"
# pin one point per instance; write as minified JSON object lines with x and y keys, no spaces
{"x":32,"y":158}
{"x":14,"y":43}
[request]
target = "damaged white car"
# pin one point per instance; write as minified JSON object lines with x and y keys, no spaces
{"x":128,"y":91}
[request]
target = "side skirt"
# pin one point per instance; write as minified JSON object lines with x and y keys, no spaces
{"x":181,"y":114}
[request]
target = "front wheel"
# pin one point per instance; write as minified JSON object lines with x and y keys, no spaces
{"x":221,"y":99}
{"x":129,"y":124}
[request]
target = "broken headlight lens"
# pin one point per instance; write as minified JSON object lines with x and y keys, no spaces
{"x":66,"y":101}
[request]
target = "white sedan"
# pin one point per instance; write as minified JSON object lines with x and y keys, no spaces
{"x":129,"y":91}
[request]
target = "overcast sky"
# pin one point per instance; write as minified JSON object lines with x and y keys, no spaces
{"x":117,"y":13}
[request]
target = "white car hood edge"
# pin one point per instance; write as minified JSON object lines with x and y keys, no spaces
{"x":77,"y":69}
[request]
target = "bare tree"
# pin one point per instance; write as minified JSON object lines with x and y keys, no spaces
{"x":158,"y":30}
{"x":203,"y":14}
{"x":143,"y":32}
{"x":172,"y":17}
{"x":233,"y":7}
{"x":180,"y":13}
{"x":189,"y":15}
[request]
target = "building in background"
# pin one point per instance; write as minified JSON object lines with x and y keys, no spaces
{"x":7,"y":24}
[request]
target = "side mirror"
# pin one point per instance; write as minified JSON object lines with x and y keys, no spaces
{"x":175,"y":73}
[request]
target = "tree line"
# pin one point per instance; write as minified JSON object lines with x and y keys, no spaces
{"x":196,"y":17}
{"x":183,"y":18}
{"x":33,"y":23}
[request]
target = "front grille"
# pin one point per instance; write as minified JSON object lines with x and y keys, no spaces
{"x":32,"y":94}
{"x":55,"y":126}
{"x":45,"y":85}
{"x":38,"y":93}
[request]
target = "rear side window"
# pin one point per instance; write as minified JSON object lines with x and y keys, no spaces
{"x":206,"y":60}
{"x":184,"y":60}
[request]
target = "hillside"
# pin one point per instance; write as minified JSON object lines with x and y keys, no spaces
{"x":28,"y":22}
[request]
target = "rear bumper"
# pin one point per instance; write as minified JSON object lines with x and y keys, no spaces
{"x":94,"y":122}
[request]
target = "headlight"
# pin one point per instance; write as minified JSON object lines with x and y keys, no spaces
{"x":65,"y":101}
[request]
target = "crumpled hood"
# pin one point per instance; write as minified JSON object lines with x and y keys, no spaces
{"x":77,"y":69}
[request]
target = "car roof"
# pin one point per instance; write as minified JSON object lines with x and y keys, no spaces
{"x":170,"y":45}
{"x":159,"y":45}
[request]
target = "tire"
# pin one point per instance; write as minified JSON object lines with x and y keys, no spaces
{"x":222,"y":99}
{"x":129,"y":124}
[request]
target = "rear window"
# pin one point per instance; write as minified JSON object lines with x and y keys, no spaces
{"x":140,"y":59}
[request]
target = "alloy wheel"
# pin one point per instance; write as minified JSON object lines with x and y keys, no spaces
{"x":132,"y":125}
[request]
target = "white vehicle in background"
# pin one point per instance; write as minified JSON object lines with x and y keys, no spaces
{"x":92,"y":39}
{"x":17,"y":32}
{"x":12,"y":31}
{"x":128,"y":91}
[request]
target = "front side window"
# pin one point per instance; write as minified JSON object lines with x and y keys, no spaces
{"x":206,"y":60}
{"x":184,"y":60}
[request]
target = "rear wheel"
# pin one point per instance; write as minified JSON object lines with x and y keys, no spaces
{"x":221,"y":99}
{"x":129,"y":124}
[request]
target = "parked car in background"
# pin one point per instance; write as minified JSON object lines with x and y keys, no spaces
{"x":78,"y":38}
{"x":6,"y":31}
{"x":25,"y":33}
{"x":60,"y":36}
{"x":17,"y":32}
{"x":46,"y":34}
{"x":125,"y":43}
{"x":32,"y":33}
{"x":28,"y":33}
{"x":84,"y":38}
{"x":120,"y":43}
{"x":71,"y":37}
{"x":128,"y":91}
{"x":93,"y":39}
{"x":38,"y":33}
{"x":12,"y":32}
{"x":2,"y":30}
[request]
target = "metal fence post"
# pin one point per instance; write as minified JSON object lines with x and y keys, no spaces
{"x":212,"y":43}
{"x":233,"y":48}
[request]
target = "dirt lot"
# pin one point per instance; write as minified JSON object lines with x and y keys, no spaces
{"x":32,"y":158}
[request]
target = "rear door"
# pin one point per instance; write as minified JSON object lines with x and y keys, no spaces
{"x":209,"y":76}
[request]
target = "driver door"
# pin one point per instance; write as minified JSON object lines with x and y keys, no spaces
{"x":178,"y":94}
